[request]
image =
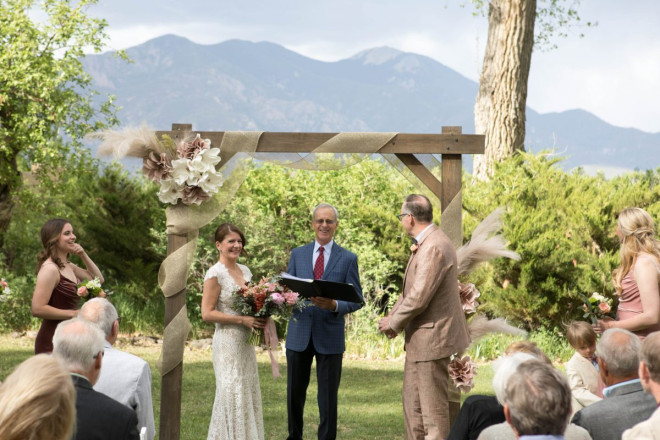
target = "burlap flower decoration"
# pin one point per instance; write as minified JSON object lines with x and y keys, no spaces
{"x":156,"y":166}
{"x":462,"y":372}
{"x":190,"y":150}
{"x":469,"y":295}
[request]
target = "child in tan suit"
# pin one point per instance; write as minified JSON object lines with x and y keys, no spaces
{"x":582,"y":368}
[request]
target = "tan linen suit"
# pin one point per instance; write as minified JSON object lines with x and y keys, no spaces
{"x":435,"y":328}
{"x":584,"y":381}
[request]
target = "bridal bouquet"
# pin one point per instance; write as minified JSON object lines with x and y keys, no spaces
{"x":597,"y":307}
{"x":266,"y":299}
{"x":91,"y":287}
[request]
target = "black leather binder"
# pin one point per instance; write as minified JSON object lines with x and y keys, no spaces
{"x":327,"y":289}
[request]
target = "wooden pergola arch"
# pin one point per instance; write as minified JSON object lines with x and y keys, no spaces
{"x":451,"y":144}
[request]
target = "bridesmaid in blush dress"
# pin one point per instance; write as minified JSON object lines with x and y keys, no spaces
{"x":55,"y":296}
{"x":637,"y":279}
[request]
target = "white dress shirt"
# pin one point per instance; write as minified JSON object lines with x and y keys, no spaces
{"x":127,"y":379}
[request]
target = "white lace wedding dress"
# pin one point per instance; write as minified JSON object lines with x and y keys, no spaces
{"x":237,"y":412}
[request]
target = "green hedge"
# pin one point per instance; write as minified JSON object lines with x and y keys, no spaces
{"x":562,"y":224}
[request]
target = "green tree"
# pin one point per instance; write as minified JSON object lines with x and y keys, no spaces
{"x":563,"y":226}
{"x":46,"y":100}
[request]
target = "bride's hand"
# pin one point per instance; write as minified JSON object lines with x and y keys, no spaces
{"x":253,"y":323}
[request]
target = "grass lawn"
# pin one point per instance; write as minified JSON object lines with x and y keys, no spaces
{"x":369,"y":396}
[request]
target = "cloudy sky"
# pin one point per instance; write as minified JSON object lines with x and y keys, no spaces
{"x":613,"y":72}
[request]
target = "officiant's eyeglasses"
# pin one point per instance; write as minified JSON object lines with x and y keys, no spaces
{"x":401,"y":216}
{"x":327,"y":221}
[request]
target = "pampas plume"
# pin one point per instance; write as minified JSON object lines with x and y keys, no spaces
{"x":484,"y":245}
{"x":132,"y":141}
{"x":479,"y":326}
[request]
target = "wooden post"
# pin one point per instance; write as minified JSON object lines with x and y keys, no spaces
{"x":452,"y":175}
{"x":451,"y":206}
{"x":171,"y":383}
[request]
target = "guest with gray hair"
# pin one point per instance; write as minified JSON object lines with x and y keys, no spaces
{"x":625,"y":403}
{"x":505,"y":368}
{"x":649,"y":374}
{"x":537,"y":401}
{"x":124,"y":377}
{"x":79,"y":345}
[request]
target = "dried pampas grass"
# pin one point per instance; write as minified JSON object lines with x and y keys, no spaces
{"x":132,"y":141}
{"x":484,"y":245}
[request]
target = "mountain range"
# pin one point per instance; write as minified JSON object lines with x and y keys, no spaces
{"x":240,"y":85}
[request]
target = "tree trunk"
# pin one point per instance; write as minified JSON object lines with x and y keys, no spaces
{"x":499,"y":111}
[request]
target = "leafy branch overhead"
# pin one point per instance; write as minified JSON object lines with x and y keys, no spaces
{"x":46,"y":98}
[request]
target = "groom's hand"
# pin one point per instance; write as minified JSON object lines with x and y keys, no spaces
{"x":324,"y":303}
{"x":384,"y":327}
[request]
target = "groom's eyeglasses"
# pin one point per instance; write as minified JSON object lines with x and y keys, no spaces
{"x":401,"y":216}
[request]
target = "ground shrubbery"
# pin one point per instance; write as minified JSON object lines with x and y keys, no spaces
{"x":562,"y":224}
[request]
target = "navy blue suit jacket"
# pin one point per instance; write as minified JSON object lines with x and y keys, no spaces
{"x":326,"y":328}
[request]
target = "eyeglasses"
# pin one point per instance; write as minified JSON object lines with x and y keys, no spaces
{"x":326,"y":221}
{"x":401,"y":216}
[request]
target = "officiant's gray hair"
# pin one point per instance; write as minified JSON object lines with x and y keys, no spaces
{"x":325,"y":205}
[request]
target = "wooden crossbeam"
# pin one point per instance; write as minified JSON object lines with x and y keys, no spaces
{"x":295,"y":142}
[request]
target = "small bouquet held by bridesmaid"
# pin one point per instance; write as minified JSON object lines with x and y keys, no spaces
{"x":597,"y":307}
{"x":91,"y":288}
{"x":266,"y":299}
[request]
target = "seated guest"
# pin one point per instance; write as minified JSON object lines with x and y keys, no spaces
{"x":481,"y":411}
{"x":537,"y":401}
{"x":79,"y":344}
{"x":37,"y":401}
{"x":505,"y":368}
{"x":625,"y":403}
{"x":582,"y":368}
{"x":649,"y":375}
{"x":124,"y":377}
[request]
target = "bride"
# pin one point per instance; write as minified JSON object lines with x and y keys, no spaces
{"x":237,"y":412}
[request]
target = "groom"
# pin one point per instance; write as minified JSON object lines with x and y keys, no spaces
{"x":318,"y":330}
{"x":429,"y":309}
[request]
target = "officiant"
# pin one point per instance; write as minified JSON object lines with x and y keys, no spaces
{"x":318,"y":331}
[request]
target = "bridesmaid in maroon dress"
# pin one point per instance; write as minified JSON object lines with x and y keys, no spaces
{"x":55,"y":297}
{"x":637,"y":279}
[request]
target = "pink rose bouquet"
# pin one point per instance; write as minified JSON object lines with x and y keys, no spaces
{"x":91,"y":287}
{"x":267,"y":299}
{"x":597,"y":307}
